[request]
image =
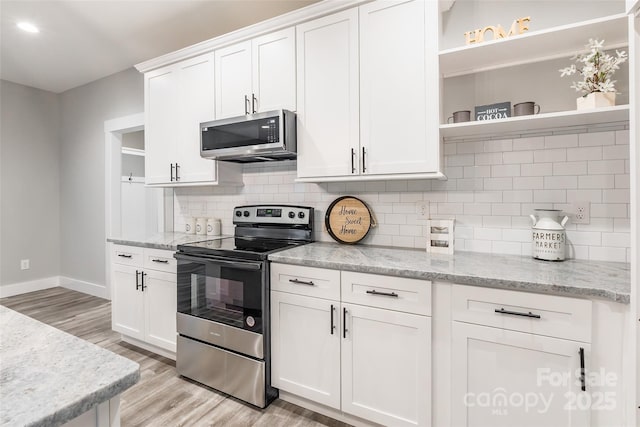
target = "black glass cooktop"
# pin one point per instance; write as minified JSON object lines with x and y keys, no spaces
{"x":237,"y":247}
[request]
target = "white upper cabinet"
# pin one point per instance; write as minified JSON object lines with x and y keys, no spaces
{"x":233,"y":80}
{"x":368,"y":97}
{"x":633,"y":6}
{"x":274,"y":71}
{"x":196,"y":85}
{"x":177,"y":99}
{"x":161,"y":98}
{"x":328,"y":96}
{"x":399,"y":110}
{"x":256,"y":75}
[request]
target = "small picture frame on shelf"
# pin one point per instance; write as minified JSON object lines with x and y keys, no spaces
{"x":499,"y":110}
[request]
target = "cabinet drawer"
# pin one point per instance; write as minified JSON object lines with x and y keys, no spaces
{"x":311,"y":281}
{"x":126,"y":255}
{"x":549,"y":315}
{"x":158,"y":259}
{"x":388,"y":292}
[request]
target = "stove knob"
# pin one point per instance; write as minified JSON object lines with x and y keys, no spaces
{"x":292,"y":214}
{"x":246,"y":213}
{"x":300,"y":214}
{"x":238,"y":213}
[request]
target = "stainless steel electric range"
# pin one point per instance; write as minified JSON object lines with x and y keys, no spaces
{"x":223,"y":301}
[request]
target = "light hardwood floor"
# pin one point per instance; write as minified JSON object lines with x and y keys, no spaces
{"x":161,"y":397}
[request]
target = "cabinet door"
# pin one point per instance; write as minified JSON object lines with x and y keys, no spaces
{"x":305,"y":349}
{"x":399,"y":109}
{"x":160,"y":307}
{"x":127,"y":302}
{"x":274,"y":71}
{"x":507,"y":378}
{"x":386,"y":366}
{"x":197,"y":106}
{"x":328,"y":95}
{"x":233,"y":80}
{"x":162,"y":100}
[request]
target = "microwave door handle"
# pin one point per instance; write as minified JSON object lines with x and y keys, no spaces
{"x":239,"y":265}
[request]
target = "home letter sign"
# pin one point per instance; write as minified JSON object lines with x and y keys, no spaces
{"x":518,"y":26}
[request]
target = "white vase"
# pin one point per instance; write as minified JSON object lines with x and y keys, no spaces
{"x":596,"y":100}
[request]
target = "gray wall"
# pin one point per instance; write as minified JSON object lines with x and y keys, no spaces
{"x":82,"y":181}
{"x":30,"y":183}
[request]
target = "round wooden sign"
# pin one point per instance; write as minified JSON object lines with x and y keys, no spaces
{"x":348,"y":220}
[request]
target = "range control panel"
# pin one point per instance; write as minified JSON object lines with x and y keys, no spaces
{"x":273,"y":214}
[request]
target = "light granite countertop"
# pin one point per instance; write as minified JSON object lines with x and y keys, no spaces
{"x":49,"y":377}
{"x":169,"y":240}
{"x":606,"y":280}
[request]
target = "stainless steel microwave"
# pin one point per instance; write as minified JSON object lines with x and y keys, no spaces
{"x":252,"y":138}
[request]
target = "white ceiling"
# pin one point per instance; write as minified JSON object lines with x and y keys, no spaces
{"x":84,"y":40}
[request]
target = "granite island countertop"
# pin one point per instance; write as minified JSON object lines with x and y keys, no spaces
{"x":49,"y":377}
{"x":167,"y":240}
{"x":606,"y":280}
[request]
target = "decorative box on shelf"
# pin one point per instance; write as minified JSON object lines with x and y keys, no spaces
{"x":440,"y":236}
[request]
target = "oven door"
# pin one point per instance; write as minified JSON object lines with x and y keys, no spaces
{"x":220,"y":300}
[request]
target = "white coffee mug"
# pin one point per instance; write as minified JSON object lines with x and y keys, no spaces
{"x":201,"y":226}
{"x":190,"y":225}
{"x":214,"y":227}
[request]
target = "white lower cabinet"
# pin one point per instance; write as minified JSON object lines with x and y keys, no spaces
{"x":305,"y":348}
{"x":504,"y":378}
{"x":143,"y":299}
{"x":366,"y":361}
{"x":386,"y":366}
{"x":517,"y":359}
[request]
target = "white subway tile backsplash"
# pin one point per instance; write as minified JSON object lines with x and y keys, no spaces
{"x":596,"y":139}
{"x":584,"y":153}
{"x":622,"y":137}
{"x":550,"y":156}
{"x":537,"y":169}
{"x":492,"y":187}
{"x":528,"y":183}
{"x":488,"y":159}
{"x":622,"y":181}
{"x":500,"y":146}
{"x":615,"y":196}
{"x":561,"y":141}
{"x":603,"y":167}
{"x":603,"y":253}
{"x":618,"y":240}
{"x":615,"y":152}
{"x":517,"y":157}
{"x":535,"y":143}
{"x":550,"y":196}
{"x":505,"y":183}
{"x":596,"y":181}
{"x":560,"y":182}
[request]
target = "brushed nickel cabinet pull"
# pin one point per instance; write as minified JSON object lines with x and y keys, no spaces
{"x":386,"y":294}
{"x":517,"y":313}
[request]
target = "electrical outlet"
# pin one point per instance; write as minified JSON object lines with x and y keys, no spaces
{"x":422,"y":209}
{"x":24,"y":264}
{"x":581,"y":213}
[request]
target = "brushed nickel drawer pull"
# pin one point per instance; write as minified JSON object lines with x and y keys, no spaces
{"x":517,"y":313}
{"x":302,"y":282}
{"x":124,"y":255}
{"x":386,"y":294}
{"x":163,"y":261}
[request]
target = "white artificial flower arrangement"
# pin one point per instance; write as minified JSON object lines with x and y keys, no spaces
{"x":597,"y":69}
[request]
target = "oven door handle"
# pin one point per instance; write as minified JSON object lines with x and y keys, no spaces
{"x":239,"y":265}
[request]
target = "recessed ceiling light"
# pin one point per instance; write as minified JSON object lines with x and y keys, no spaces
{"x":28,"y":27}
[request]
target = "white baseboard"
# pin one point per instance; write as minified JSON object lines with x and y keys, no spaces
{"x":85,"y":287}
{"x":30,"y":286}
{"x":149,"y":347}
{"x":325,"y":410}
